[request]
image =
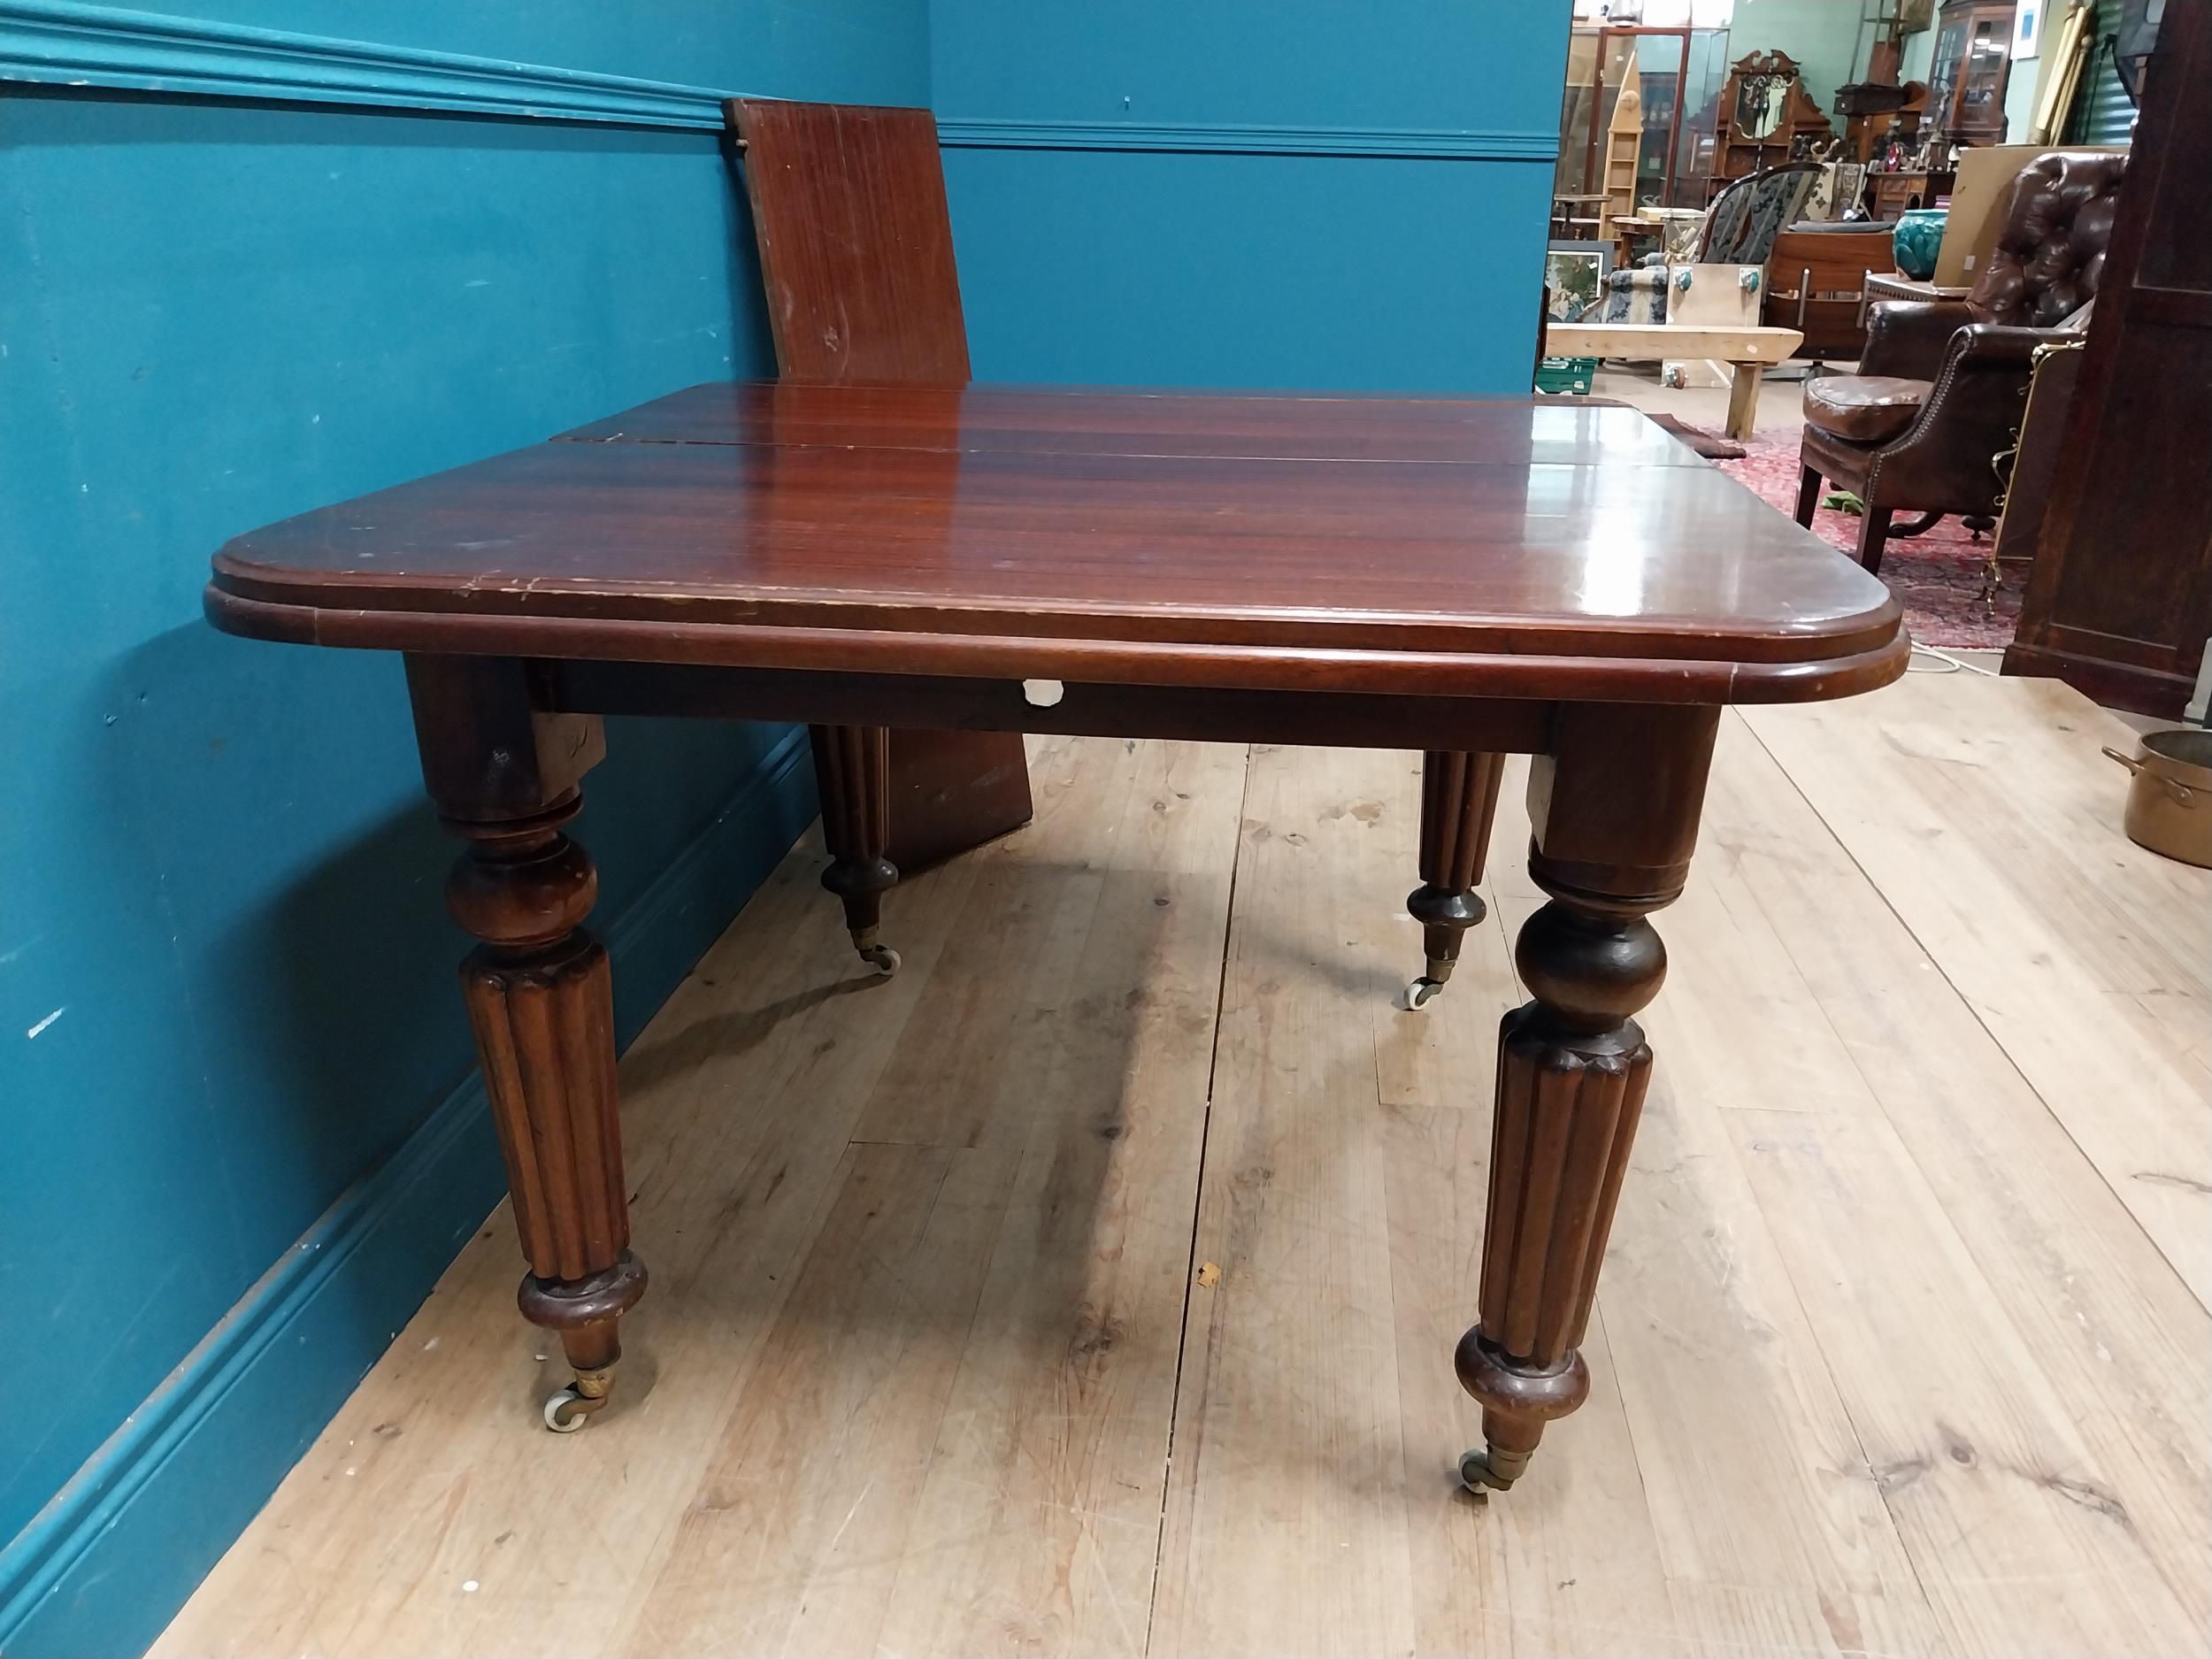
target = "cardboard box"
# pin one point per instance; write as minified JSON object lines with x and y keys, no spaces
{"x":1979,"y":201}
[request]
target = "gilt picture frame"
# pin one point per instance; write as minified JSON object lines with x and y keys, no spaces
{"x":1574,"y":274}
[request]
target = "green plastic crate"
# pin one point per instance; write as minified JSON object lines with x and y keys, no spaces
{"x":1567,"y":374}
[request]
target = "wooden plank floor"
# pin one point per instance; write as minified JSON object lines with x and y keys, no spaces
{"x":1090,"y":1287}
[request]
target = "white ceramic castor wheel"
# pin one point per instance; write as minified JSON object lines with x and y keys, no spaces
{"x":1417,"y":994}
{"x":882,"y":958}
{"x":565,"y":1411}
{"x":571,"y":1407}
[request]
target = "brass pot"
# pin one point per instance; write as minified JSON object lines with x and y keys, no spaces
{"x":2169,"y":803}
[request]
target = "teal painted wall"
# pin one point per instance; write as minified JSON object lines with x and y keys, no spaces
{"x":1199,"y":268}
{"x":1918,"y":57}
{"x":226,"y":972}
{"x":2021,"y":86}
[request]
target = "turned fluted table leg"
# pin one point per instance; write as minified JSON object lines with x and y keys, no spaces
{"x":1615,"y":814}
{"x":852,"y":766}
{"x":1459,"y":797}
{"x":540,"y":1000}
{"x":1572,"y":1069}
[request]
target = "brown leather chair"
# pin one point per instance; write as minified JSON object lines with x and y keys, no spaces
{"x":1941,"y":385}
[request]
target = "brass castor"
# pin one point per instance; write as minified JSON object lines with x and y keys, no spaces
{"x":882,"y":958}
{"x":1485,"y":1470}
{"x":1417,"y":992}
{"x":571,"y":1407}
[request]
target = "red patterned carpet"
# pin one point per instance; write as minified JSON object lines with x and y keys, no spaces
{"x":1937,"y":576}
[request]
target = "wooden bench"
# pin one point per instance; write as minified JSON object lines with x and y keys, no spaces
{"x":1747,"y":350}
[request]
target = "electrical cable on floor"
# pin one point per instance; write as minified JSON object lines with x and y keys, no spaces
{"x":1956,"y":663}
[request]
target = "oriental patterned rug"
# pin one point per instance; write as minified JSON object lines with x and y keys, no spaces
{"x":1938,"y":576}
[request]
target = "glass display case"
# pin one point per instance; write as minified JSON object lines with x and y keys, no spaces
{"x":1678,"y":73}
{"x":1966,"y":80}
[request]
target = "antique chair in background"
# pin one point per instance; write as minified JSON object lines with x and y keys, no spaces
{"x":1739,"y":229}
{"x":1816,"y":284}
{"x":1941,"y":384}
{"x":1747,"y":217}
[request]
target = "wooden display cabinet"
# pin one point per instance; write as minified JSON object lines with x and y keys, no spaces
{"x":1890,"y":194}
{"x":1765,"y":114}
{"x":1966,"y":83}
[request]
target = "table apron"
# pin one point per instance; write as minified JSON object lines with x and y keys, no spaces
{"x":1191,"y":713}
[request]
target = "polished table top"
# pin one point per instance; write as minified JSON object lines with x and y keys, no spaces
{"x":1505,"y":547}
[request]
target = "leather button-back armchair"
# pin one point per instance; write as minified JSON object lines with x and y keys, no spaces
{"x":1942,"y":384}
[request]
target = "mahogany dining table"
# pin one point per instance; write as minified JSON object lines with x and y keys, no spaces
{"x":1470,"y":578}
